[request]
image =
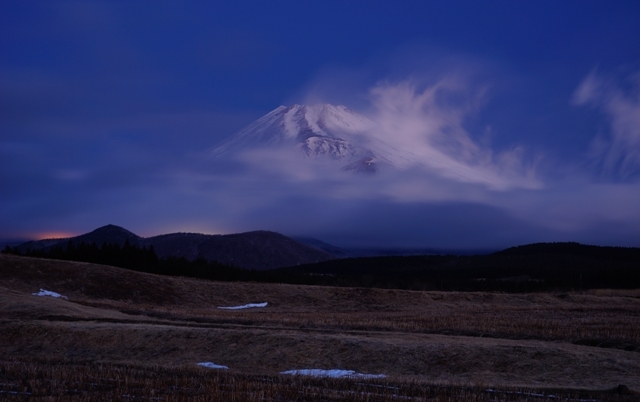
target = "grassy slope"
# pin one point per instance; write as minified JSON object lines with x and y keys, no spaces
{"x":120,"y":316}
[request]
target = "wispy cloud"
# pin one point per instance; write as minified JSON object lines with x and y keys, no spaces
{"x":418,"y":126}
{"x":428,"y":123}
{"x":619,"y":152}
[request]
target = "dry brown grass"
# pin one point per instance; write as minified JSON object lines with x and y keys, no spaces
{"x":615,"y":292}
{"x":60,"y":381}
{"x":450,"y":359}
{"x":114,"y":316}
{"x":569,"y":317}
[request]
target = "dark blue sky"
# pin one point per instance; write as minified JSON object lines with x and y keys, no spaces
{"x":106,"y":109}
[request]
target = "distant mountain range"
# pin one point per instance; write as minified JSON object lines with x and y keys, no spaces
{"x":260,"y":250}
{"x":277,"y":258}
{"x":252,"y":250}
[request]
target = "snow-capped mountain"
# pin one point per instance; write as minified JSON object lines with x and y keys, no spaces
{"x":320,"y":131}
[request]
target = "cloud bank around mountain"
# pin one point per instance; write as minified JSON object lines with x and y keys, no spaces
{"x":466,"y":190}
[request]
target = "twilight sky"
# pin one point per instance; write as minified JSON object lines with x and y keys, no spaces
{"x":528,"y":113}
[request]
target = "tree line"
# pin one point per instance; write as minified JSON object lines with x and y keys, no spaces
{"x":142,"y":259}
{"x":528,"y":269}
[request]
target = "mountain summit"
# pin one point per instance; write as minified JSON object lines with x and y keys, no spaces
{"x":321,"y":131}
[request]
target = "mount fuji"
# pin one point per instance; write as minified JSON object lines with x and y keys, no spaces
{"x":320,"y":132}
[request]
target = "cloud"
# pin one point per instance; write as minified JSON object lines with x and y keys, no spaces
{"x":428,"y":123}
{"x":418,"y":125}
{"x":617,"y":154}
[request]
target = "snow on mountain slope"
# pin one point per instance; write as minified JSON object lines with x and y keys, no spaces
{"x":437,"y":146}
{"x":319,"y":132}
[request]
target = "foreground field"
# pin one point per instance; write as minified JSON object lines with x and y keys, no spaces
{"x":156,"y":329}
{"x":75,"y":382}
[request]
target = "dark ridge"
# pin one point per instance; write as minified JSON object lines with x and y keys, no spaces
{"x":43,"y":244}
{"x":259,"y":250}
{"x":320,"y":245}
{"x":572,"y":248}
{"x":532,"y":268}
{"x":181,"y":245}
{"x":496,"y":272}
{"x":11,"y":242}
{"x":108,"y":234}
{"x":111,"y":234}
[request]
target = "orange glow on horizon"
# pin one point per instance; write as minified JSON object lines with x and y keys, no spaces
{"x":183,"y":228}
{"x":51,"y":235}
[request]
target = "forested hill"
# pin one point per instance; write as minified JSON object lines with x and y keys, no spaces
{"x":577,"y":249}
{"x":534,"y":267}
{"x":260,"y":250}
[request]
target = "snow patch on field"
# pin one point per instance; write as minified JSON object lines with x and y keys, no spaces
{"x":49,"y":293}
{"x":212,"y":365}
{"x":335,"y":373}
{"x":250,"y":305}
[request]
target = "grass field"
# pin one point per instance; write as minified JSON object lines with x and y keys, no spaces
{"x":147,"y":332}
